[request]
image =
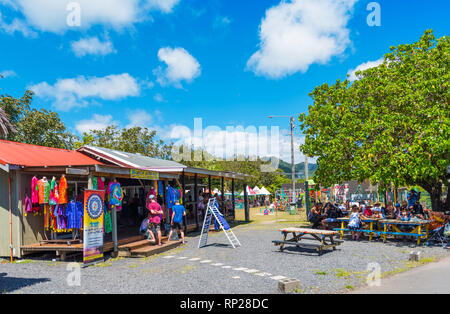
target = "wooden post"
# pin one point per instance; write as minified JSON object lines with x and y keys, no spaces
{"x":247,"y":213}
{"x":209,"y":185}
{"x":196,"y":202}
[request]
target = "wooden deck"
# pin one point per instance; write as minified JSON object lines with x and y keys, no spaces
{"x":134,"y":246}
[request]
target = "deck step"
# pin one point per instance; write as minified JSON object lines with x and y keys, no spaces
{"x":152,"y":249}
{"x":126,"y":249}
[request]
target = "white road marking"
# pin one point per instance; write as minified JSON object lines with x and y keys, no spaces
{"x":217,"y":264}
{"x":169,"y":256}
{"x":263,"y":274}
{"x":206,"y":261}
{"x":251,"y":271}
{"x":226,"y":267}
{"x":278,"y":277}
{"x":195,"y":259}
{"x":240,"y":268}
{"x":182,"y":257}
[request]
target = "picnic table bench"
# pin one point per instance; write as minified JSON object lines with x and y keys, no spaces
{"x":395,"y":224}
{"x":325,"y":237}
{"x":371,"y":223}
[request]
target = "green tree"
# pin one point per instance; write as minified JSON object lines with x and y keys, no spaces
{"x":392,"y":125}
{"x":38,"y":127}
{"x":132,"y":140}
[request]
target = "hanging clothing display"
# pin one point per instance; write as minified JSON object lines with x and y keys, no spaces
{"x":100,"y":184}
{"x":63,"y":190}
{"x":28,"y":206}
{"x":115,"y":195}
{"x":171,"y":195}
{"x":54,"y":193}
{"x":74,"y":213}
{"x":160,"y":188}
{"x":34,"y":191}
{"x":43,"y":188}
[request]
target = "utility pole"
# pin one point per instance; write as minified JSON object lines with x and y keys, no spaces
{"x":292,"y":153}
{"x":293,"y":160}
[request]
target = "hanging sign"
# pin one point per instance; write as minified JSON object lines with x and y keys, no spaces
{"x":143,"y":174}
{"x":93,"y":227}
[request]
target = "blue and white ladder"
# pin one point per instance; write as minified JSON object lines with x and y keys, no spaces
{"x":213,"y":210}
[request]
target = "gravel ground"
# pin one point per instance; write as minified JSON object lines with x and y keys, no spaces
{"x":335,"y":271}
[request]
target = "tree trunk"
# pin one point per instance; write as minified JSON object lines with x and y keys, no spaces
{"x":435,"y":191}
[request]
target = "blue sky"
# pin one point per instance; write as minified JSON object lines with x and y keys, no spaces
{"x":162,"y":63}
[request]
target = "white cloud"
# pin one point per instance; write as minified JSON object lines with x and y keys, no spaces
{"x":181,"y":66}
{"x":16,"y":25}
{"x":221,"y":21}
{"x":296,"y":34}
{"x":76,"y":92}
{"x":51,"y":15}
{"x":158,"y":98}
{"x":98,"y":122}
{"x":92,"y":46}
{"x":165,"y":6}
{"x":139,"y":118}
{"x":236,"y":140}
{"x":8,"y":73}
{"x":362,"y":67}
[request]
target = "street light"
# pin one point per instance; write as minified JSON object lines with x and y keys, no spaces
{"x":292,"y":154}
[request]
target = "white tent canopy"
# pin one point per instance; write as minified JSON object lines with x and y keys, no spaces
{"x":264,"y":191}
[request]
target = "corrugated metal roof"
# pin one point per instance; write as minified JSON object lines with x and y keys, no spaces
{"x":27,"y":155}
{"x":132,"y":160}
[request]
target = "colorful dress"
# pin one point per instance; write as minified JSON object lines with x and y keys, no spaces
{"x":74,"y":213}
{"x":54,"y":193}
{"x":63,"y":191}
{"x":115,"y":195}
{"x":43,"y":188}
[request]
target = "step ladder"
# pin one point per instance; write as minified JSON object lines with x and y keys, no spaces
{"x":213,"y":210}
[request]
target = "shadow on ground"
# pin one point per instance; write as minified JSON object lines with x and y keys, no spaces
{"x":10,"y":284}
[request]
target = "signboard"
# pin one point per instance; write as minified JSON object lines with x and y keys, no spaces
{"x":143,"y":174}
{"x":93,"y":227}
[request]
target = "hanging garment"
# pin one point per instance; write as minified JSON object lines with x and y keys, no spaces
{"x":63,"y":191}
{"x":74,"y":213}
{"x":60,"y":213}
{"x":171,"y":196}
{"x":108,"y":222}
{"x":43,"y":188}
{"x":94,"y":183}
{"x":46,"y":216}
{"x":160,"y":188}
{"x":115,"y":194}
{"x":100,"y":184}
{"x":28,"y":206}
{"x":54,"y":193}
{"x":34,"y":191}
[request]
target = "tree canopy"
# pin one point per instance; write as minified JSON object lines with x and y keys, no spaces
{"x":391,"y":125}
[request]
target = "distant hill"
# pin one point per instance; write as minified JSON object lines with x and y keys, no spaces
{"x":299,"y":169}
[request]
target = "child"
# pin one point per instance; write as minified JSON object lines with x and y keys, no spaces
{"x":355,"y":222}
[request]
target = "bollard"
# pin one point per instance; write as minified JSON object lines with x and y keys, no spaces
{"x":414,"y":256}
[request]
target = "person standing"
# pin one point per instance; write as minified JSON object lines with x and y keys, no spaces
{"x":155,"y":213}
{"x":178,"y":212}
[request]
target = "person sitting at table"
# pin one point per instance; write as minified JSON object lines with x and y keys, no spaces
{"x":377,"y":212}
{"x":315,"y":216}
{"x":332,"y":213}
{"x":355,"y":223}
{"x":406,"y":216}
{"x":389,"y":213}
{"x":368,"y":211}
{"x":417,"y":210}
{"x":397,"y":211}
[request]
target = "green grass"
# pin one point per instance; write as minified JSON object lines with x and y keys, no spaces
{"x":342,"y":273}
{"x":349,"y":287}
{"x":320,"y":272}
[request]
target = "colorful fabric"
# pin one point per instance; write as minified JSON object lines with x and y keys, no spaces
{"x":160,"y":188}
{"x":54,"y":193}
{"x":28,"y":206}
{"x":171,"y":196}
{"x":94,"y":183}
{"x":100,"y":184}
{"x":63,"y":191}
{"x":74,"y":213}
{"x":43,"y":188}
{"x":34,"y":191}
{"x":115,"y":194}
{"x":108,"y":222}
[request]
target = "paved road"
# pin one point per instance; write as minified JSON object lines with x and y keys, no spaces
{"x":433,"y":278}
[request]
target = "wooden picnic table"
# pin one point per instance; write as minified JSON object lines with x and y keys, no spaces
{"x":325,"y":237}
{"x":416,"y":225}
{"x":370,"y":229}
